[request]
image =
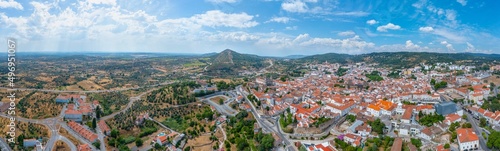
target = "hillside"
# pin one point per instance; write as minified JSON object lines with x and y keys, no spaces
{"x":404,"y":59}
{"x":230,"y":61}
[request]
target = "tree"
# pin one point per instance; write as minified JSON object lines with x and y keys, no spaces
{"x":446,"y":146}
{"x":98,"y":112}
{"x":464,"y":116}
{"x":494,"y":140}
{"x":377,"y":126}
{"x":94,"y":123}
{"x":482,"y":122}
{"x":416,"y":142}
{"x":114,"y":133}
{"x":221,"y":101}
{"x":97,"y":144}
{"x":433,"y":81}
{"x":467,"y":125}
{"x":139,"y":142}
{"x":351,"y":118}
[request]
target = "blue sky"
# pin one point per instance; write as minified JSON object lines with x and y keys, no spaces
{"x":263,"y":27}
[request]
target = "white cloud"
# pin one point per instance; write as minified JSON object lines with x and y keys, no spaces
{"x":222,"y":1}
{"x":349,"y":43}
{"x":411,"y":45}
{"x":215,"y":18}
{"x":453,"y":36}
{"x":354,"y":13}
{"x":451,"y":14}
{"x":419,"y":4}
{"x":346,"y":33}
{"x":372,"y":22}
{"x":10,"y":4}
{"x":291,"y":28}
{"x":231,"y":36}
{"x":279,"y":20}
{"x":390,"y":26}
{"x":299,"y":6}
{"x":448,"y":45}
{"x":426,"y":29}
{"x":463,"y":2}
{"x":295,"y":6}
{"x":106,"y":2}
{"x":470,"y":48}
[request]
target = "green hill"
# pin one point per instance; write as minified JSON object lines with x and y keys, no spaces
{"x":404,"y":59}
{"x":230,"y":61}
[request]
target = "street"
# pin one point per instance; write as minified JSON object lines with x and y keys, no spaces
{"x":477,"y":129}
{"x":263,"y":124}
{"x":4,"y":146}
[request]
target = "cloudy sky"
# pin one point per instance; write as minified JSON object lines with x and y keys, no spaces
{"x":263,"y":27}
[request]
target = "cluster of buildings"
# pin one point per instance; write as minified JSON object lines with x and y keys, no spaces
{"x":82,"y":131}
{"x":77,"y":106}
{"x":398,"y":102}
{"x":493,"y":118}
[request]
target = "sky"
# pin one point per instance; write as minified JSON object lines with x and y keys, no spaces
{"x":262,"y":27}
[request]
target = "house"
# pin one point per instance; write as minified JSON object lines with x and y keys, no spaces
{"x":364,"y":130}
{"x":452,"y":118}
{"x":62,"y":98}
{"x":381,"y":108}
{"x":406,"y":118}
{"x":84,"y":147}
{"x":30,"y":142}
{"x":426,"y":134}
{"x":73,"y":115}
{"x":467,"y":139}
{"x":352,"y":139}
{"x":397,"y":145}
{"x":82,"y":131}
{"x":162,"y":140}
{"x":104,"y":127}
{"x":440,"y":147}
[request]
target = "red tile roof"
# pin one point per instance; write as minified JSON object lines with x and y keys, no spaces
{"x":466,"y":135}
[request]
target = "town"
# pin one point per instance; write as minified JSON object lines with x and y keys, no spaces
{"x":332,"y":106}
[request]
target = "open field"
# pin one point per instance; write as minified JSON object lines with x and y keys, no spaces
{"x":73,"y":88}
{"x":61,"y":146}
{"x":89,"y":85}
{"x":65,"y":133}
{"x":201,"y":143}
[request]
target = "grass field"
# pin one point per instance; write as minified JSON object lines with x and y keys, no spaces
{"x":194,"y":64}
{"x":89,"y":85}
{"x":174,"y":124}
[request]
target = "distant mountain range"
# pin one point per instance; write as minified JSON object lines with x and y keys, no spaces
{"x":229,"y":60}
{"x":404,"y":59}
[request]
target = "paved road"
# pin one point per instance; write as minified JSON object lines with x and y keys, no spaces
{"x":100,"y":136}
{"x":263,"y":124}
{"x":67,"y":141}
{"x":477,"y":129}
{"x":4,"y":146}
{"x":220,"y":108}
